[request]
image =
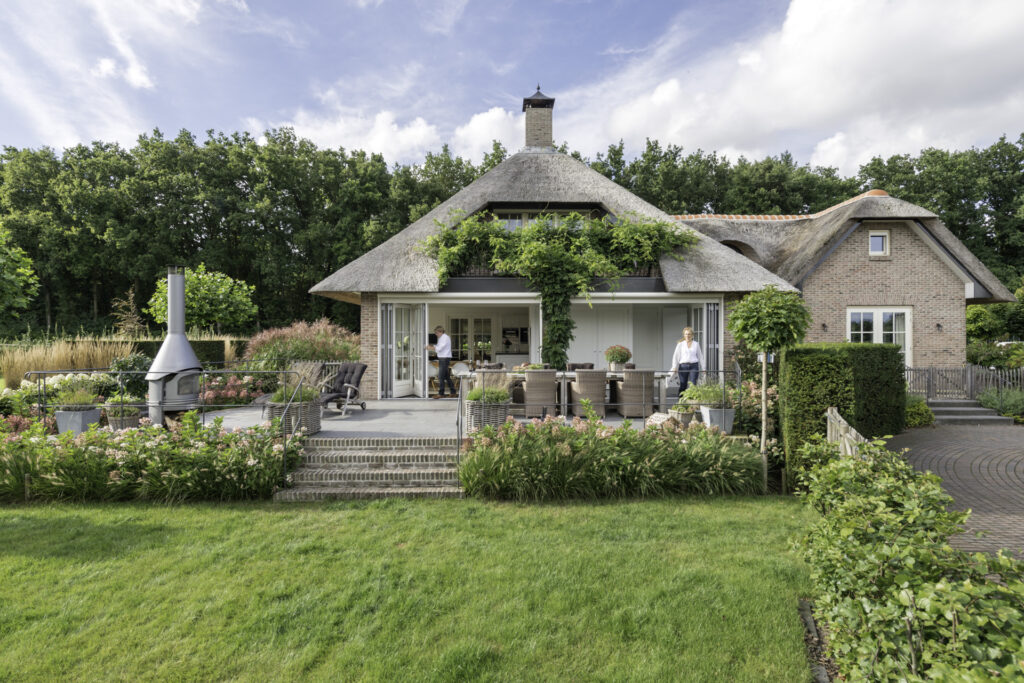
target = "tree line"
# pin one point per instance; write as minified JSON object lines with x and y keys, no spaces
{"x":281,"y":213}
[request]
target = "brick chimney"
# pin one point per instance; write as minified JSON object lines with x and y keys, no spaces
{"x":538,"y":108}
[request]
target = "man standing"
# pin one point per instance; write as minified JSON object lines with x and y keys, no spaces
{"x":443,"y":349}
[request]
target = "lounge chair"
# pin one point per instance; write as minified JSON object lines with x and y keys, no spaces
{"x":343,"y":388}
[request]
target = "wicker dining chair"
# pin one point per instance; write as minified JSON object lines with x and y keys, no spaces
{"x":539,"y":393}
{"x":590,"y":385}
{"x":634,"y":393}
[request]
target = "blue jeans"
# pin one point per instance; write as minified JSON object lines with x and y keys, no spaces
{"x":687,"y":373}
{"x":444,"y":374}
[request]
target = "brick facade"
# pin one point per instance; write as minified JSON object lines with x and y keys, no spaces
{"x":911,"y":276}
{"x":538,"y":127}
{"x":369,"y":351}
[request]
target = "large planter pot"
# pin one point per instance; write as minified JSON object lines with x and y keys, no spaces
{"x":76,"y":421}
{"x":682,"y":417}
{"x":126,"y":422}
{"x":718,"y":417}
{"x":616,"y":367}
{"x":305,"y":414}
{"x":480,"y":414}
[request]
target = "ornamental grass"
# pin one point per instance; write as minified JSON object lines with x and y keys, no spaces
{"x":76,"y":354}
{"x":546,"y":460}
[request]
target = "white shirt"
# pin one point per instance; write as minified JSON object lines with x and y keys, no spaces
{"x":443,"y":347}
{"x":684,"y":354}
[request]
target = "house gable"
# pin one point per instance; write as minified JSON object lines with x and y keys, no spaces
{"x":912,"y":278}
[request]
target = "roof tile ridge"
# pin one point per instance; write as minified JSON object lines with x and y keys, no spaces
{"x":778,"y":217}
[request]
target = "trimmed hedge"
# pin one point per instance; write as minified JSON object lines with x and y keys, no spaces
{"x":900,"y":603}
{"x":864,"y":381}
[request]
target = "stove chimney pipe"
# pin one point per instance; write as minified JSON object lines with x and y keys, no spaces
{"x":174,"y":375}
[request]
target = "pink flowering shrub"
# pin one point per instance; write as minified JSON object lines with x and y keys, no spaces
{"x":549,"y":460}
{"x":221,"y":390}
{"x":188,"y":462}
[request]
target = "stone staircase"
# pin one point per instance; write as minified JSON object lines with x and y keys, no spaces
{"x":956,"y":411}
{"x":368,"y":468}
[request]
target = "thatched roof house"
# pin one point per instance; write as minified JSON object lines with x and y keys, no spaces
{"x":873,"y":268}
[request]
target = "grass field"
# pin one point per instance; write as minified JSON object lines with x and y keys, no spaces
{"x":683,"y":589}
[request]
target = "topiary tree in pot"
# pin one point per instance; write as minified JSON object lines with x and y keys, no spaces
{"x":768,"y":320}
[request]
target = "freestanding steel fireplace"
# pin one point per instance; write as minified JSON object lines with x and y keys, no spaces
{"x":174,"y":375}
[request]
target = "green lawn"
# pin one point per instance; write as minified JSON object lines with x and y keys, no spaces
{"x":683,"y":589}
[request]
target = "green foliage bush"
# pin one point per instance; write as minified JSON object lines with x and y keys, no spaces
{"x":286,"y":393}
{"x":918,"y":412}
{"x":212,"y":301}
{"x":76,"y":399}
{"x":814,"y":452}
{"x":864,"y":381}
{"x":134,"y":367}
{"x":900,"y":604}
{"x":988,"y":354}
{"x":1009,"y":402}
{"x":548,"y":460}
{"x":188,"y":462}
{"x":488,"y":395}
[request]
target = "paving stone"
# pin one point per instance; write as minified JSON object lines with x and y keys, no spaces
{"x":982,"y":468}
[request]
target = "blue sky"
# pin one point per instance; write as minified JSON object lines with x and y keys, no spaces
{"x":833,"y":81}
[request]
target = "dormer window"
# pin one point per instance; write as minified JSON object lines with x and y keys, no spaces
{"x":878,"y":243}
{"x":515,"y":217}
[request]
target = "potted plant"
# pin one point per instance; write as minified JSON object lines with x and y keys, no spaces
{"x":717,"y":404}
{"x":304,"y":410}
{"x":683,"y":412}
{"x":488,"y":406}
{"x":125,"y":413}
{"x":76,"y":410}
{"x":617,"y":356}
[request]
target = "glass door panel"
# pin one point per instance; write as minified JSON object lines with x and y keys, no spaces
{"x":403,"y":348}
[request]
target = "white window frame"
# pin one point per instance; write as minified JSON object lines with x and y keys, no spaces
{"x":908,"y":311}
{"x":886,"y":235}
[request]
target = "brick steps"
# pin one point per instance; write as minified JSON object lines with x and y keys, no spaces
{"x":369,"y":468}
{"x":301,"y":494}
{"x":965,"y":412}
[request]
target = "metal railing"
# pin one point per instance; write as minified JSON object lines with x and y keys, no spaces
{"x":202,"y":406}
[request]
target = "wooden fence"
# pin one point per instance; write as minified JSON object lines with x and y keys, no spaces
{"x":842,"y":432}
{"x":966,"y":381}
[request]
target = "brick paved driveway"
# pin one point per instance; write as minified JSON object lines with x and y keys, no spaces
{"x":983,"y":469}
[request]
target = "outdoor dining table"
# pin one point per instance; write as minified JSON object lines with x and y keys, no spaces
{"x":564,"y":377}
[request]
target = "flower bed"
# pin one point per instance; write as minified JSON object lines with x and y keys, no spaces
{"x":899,"y":603}
{"x":548,"y":460}
{"x":188,"y":462}
{"x":222,"y":390}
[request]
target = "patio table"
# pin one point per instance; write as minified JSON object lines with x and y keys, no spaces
{"x":564,"y":377}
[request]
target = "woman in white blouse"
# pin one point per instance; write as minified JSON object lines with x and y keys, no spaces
{"x":687,"y":360}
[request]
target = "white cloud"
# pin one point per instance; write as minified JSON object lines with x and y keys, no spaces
{"x":82,"y":71}
{"x":353,"y":129}
{"x":105,"y":68}
{"x":474,"y":139}
{"x":440,"y":16}
{"x":836,"y":83}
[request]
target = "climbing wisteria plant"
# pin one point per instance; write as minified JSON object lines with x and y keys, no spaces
{"x":560,"y":256}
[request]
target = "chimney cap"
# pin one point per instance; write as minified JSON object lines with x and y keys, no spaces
{"x":538,"y":100}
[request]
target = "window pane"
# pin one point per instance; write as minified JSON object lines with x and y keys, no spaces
{"x":877,"y":244}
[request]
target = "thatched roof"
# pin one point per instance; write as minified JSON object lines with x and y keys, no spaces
{"x":538,"y":175}
{"x":794,"y":246}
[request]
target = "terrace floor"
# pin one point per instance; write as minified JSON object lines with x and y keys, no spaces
{"x":387,"y":418}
